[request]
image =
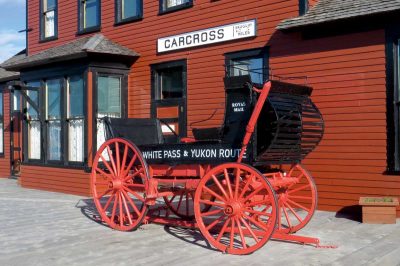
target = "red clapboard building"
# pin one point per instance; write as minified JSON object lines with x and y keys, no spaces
{"x":167,"y":59}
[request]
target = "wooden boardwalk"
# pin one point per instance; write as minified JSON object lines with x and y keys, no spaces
{"x":45,"y":228}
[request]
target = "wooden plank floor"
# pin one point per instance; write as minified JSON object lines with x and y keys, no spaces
{"x":45,"y":228}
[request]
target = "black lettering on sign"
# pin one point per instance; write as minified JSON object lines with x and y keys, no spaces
{"x":204,"y":36}
{"x":189,"y":39}
{"x":181,"y":41}
{"x":221,"y":34}
{"x":167,"y":44}
{"x":174,"y":43}
{"x":196,"y":38}
{"x":212,"y":35}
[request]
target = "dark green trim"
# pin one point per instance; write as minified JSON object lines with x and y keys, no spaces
{"x":118,"y":13}
{"x":41,"y":22}
{"x":303,"y":7}
{"x":81,"y":29}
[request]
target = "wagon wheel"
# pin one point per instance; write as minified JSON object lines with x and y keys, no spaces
{"x":119,"y":182}
{"x":298,"y":202}
{"x":240,"y":192}
{"x":181,"y":203}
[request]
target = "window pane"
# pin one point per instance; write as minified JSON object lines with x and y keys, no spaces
{"x":49,"y":22}
{"x":49,"y":5}
{"x":130,"y":8}
{"x":54,"y":99}
{"x":172,"y":3}
{"x":75,"y":97}
{"x":249,"y":66}
{"x":76,"y":140}
{"x":34,"y":140}
{"x":34,"y":96}
{"x":171,"y":83}
{"x":109,"y":96}
{"x":54,"y":140}
{"x":91,"y":16}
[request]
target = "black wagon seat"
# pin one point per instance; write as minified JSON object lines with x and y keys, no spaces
{"x":238,"y":108}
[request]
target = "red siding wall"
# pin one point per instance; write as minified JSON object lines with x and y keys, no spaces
{"x":5,"y":165}
{"x":312,"y":2}
{"x":347,"y":73}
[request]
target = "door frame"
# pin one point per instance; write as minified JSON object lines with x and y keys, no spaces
{"x":155,"y":85}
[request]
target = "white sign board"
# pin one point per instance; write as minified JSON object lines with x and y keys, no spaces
{"x":224,"y":33}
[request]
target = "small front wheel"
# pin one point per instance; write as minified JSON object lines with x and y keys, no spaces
{"x":243,"y":215}
{"x":119,"y":183}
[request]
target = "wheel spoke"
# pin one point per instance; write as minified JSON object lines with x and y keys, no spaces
{"x":108,"y":202}
{"x":249,"y":229}
{"x":219,"y":186}
{"x":228,"y":183}
{"x":104,"y":173}
{"x":126,"y":209}
{"x":237,"y":182}
{"x":293,"y":211}
{"x":132,"y":203}
{"x":112,"y":160}
{"x":232,"y":238}
{"x":133,"y":175}
{"x":214,"y":194}
{"x":104,"y":193}
{"x":135,"y":194}
{"x":258,"y":224}
{"x":260,"y":202}
{"x":253,"y":193}
{"x":241,"y":233}
{"x":114,"y":208}
{"x":221,"y":233}
{"x":172,"y":199}
{"x":287,"y":216}
{"x":298,"y":189}
{"x":246,"y":186}
{"x":211,"y":225}
{"x":211,"y":213}
{"x":130,"y":165}
{"x":298,"y":179}
{"x":298,"y":205}
{"x":104,"y":161}
{"x":124,"y":156}
{"x":212,"y":203}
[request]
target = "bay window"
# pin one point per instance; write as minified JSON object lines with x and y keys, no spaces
{"x":48,"y":19}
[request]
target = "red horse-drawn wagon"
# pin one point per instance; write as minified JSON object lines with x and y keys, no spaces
{"x":240,"y":184}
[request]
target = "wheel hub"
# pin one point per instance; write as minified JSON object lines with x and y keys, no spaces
{"x":232,"y":209}
{"x":115,"y":184}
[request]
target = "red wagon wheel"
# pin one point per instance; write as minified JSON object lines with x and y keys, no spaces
{"x":119,"y":183}
{"x":243,"y":216}
{"x":182,"y":203}
{"x":297,"y":203}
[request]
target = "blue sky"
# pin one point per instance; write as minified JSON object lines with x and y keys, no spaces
{"x":12,"y":19}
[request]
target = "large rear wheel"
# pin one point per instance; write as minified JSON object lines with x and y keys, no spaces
{"x":119,"y":182}
{"x":243,"y":215}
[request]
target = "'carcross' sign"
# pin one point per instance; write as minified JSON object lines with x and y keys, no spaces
{"x":225,"y":33}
